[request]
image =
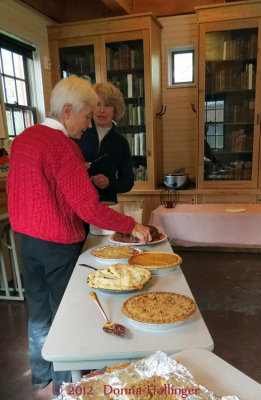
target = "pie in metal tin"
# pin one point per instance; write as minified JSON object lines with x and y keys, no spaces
{"x":155,"y":260}
{"x":114,"y":253}
{"x":159,"y":309}
{"x":119,"y":277}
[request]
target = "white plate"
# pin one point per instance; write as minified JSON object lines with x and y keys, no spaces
{"x":235,"y":210}
{"x":163,"y":237}
{"x":113,"y":260}
{"x":111,"y":291}
{"x":156,"y":327}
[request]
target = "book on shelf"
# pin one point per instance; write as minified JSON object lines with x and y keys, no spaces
{"x":130,"y":85}
{"x":142,"y":139}
{"x":140,"y":173}
{"x":130,"y":139}
{"x":132,"y":58}
{"x":136,"y":144}
{"x":250,"y":76}
{"x":130,"y":114}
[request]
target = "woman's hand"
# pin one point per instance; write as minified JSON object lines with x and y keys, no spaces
{"x":142,"y":233}
{"x":101,"y":181}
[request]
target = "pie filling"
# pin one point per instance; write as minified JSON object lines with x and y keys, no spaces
{"x":119,"y":277}
{"x":159,"y":307}
{"x":115,"y":252}
{"x":155,"y":260}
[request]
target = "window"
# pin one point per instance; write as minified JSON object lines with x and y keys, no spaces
{"x":181,"y":62}
{"x":214,"y":122}
{"x":14,"y":59}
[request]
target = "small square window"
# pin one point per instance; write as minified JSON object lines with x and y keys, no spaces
{"x":182,"y":66}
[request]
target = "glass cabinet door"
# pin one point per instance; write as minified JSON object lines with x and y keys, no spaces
{"x":125,"y":70}
{"x":230,"y":82}
{"x":78,"y":61}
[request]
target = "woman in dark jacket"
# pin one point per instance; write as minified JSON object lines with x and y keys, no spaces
{"x":112,"y":173}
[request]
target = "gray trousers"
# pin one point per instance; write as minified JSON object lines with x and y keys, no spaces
{"x":47,"y":268}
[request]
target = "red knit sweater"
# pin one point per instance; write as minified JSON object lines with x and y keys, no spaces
{"x":50,"y":192}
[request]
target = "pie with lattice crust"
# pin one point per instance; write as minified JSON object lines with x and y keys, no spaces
{"x":155,"y":260}
{"x":159,"y":307}
{"x":119,"y":277}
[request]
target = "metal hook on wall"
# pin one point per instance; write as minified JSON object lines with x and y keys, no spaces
{"x":193,"y":107}
{"x":162,"y":112}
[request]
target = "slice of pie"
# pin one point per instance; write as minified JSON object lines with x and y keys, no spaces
{"x":159,"y":307}
{"x":119,"y":277}
{"x":155,"y":260}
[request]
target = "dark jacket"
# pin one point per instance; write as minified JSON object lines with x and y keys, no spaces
{"x":117,"y":165}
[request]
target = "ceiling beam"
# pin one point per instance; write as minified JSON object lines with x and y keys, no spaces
{"x":119,"y":6}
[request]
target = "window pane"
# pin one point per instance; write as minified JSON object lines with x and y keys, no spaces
{"x":10,"y":90}
{"x":9,"y":122}
{"x":21,"y":91}
{"x":18,"y":66}
{"x":183,"y":67}
{"x":7,"y":62}
{"x":19,"y":121}
{"x":3,"y":86}
{"x":28,"y":117}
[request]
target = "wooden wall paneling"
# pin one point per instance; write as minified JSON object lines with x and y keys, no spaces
{"x":157,"y":102}
{"x":55,"y":63}
{"x":201,"y":106}
{"x":180,"y":122}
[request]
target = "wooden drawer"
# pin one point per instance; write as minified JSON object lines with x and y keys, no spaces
{"x":226,"y":198}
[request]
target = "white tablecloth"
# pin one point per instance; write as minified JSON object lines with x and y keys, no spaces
{"x":211,"y":223}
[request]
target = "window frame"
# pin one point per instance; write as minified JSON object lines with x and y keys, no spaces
{"x":175,"y":50}
{"x":14,"y":107}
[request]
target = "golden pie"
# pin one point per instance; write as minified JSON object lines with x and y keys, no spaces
{"x":159,"y":307}
{"x":119,"y":277}
{"x":115,"y":252}
{"x":155,"y":260}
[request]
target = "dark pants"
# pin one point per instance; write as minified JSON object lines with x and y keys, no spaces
{"x":47,"y":268}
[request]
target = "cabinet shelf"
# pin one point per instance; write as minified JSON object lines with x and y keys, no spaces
{"x":230,"y":62}
{"x":245,"y":123}
{"x":123,"y":72}
{"x":220,"y":93}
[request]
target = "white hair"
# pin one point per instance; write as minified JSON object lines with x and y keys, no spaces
{"x":73,"y":90}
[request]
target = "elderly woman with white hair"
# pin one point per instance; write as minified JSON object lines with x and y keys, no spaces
{"x":49,"y":196}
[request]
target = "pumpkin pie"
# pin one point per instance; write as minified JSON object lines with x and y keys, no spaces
{"x":119,"y":277}
{"x":159,"y":307}
{"x":155,"y":260}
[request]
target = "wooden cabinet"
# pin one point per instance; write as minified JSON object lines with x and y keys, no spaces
{"x":229,"y":95}
{"x":126,"y":52}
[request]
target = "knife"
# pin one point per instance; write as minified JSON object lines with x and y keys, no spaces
{"x":98,"y":159}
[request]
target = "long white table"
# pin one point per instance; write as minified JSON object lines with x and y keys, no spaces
{"x":219,"y":376}
{"x":76,"y":340}
{"x":210,"y":224}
